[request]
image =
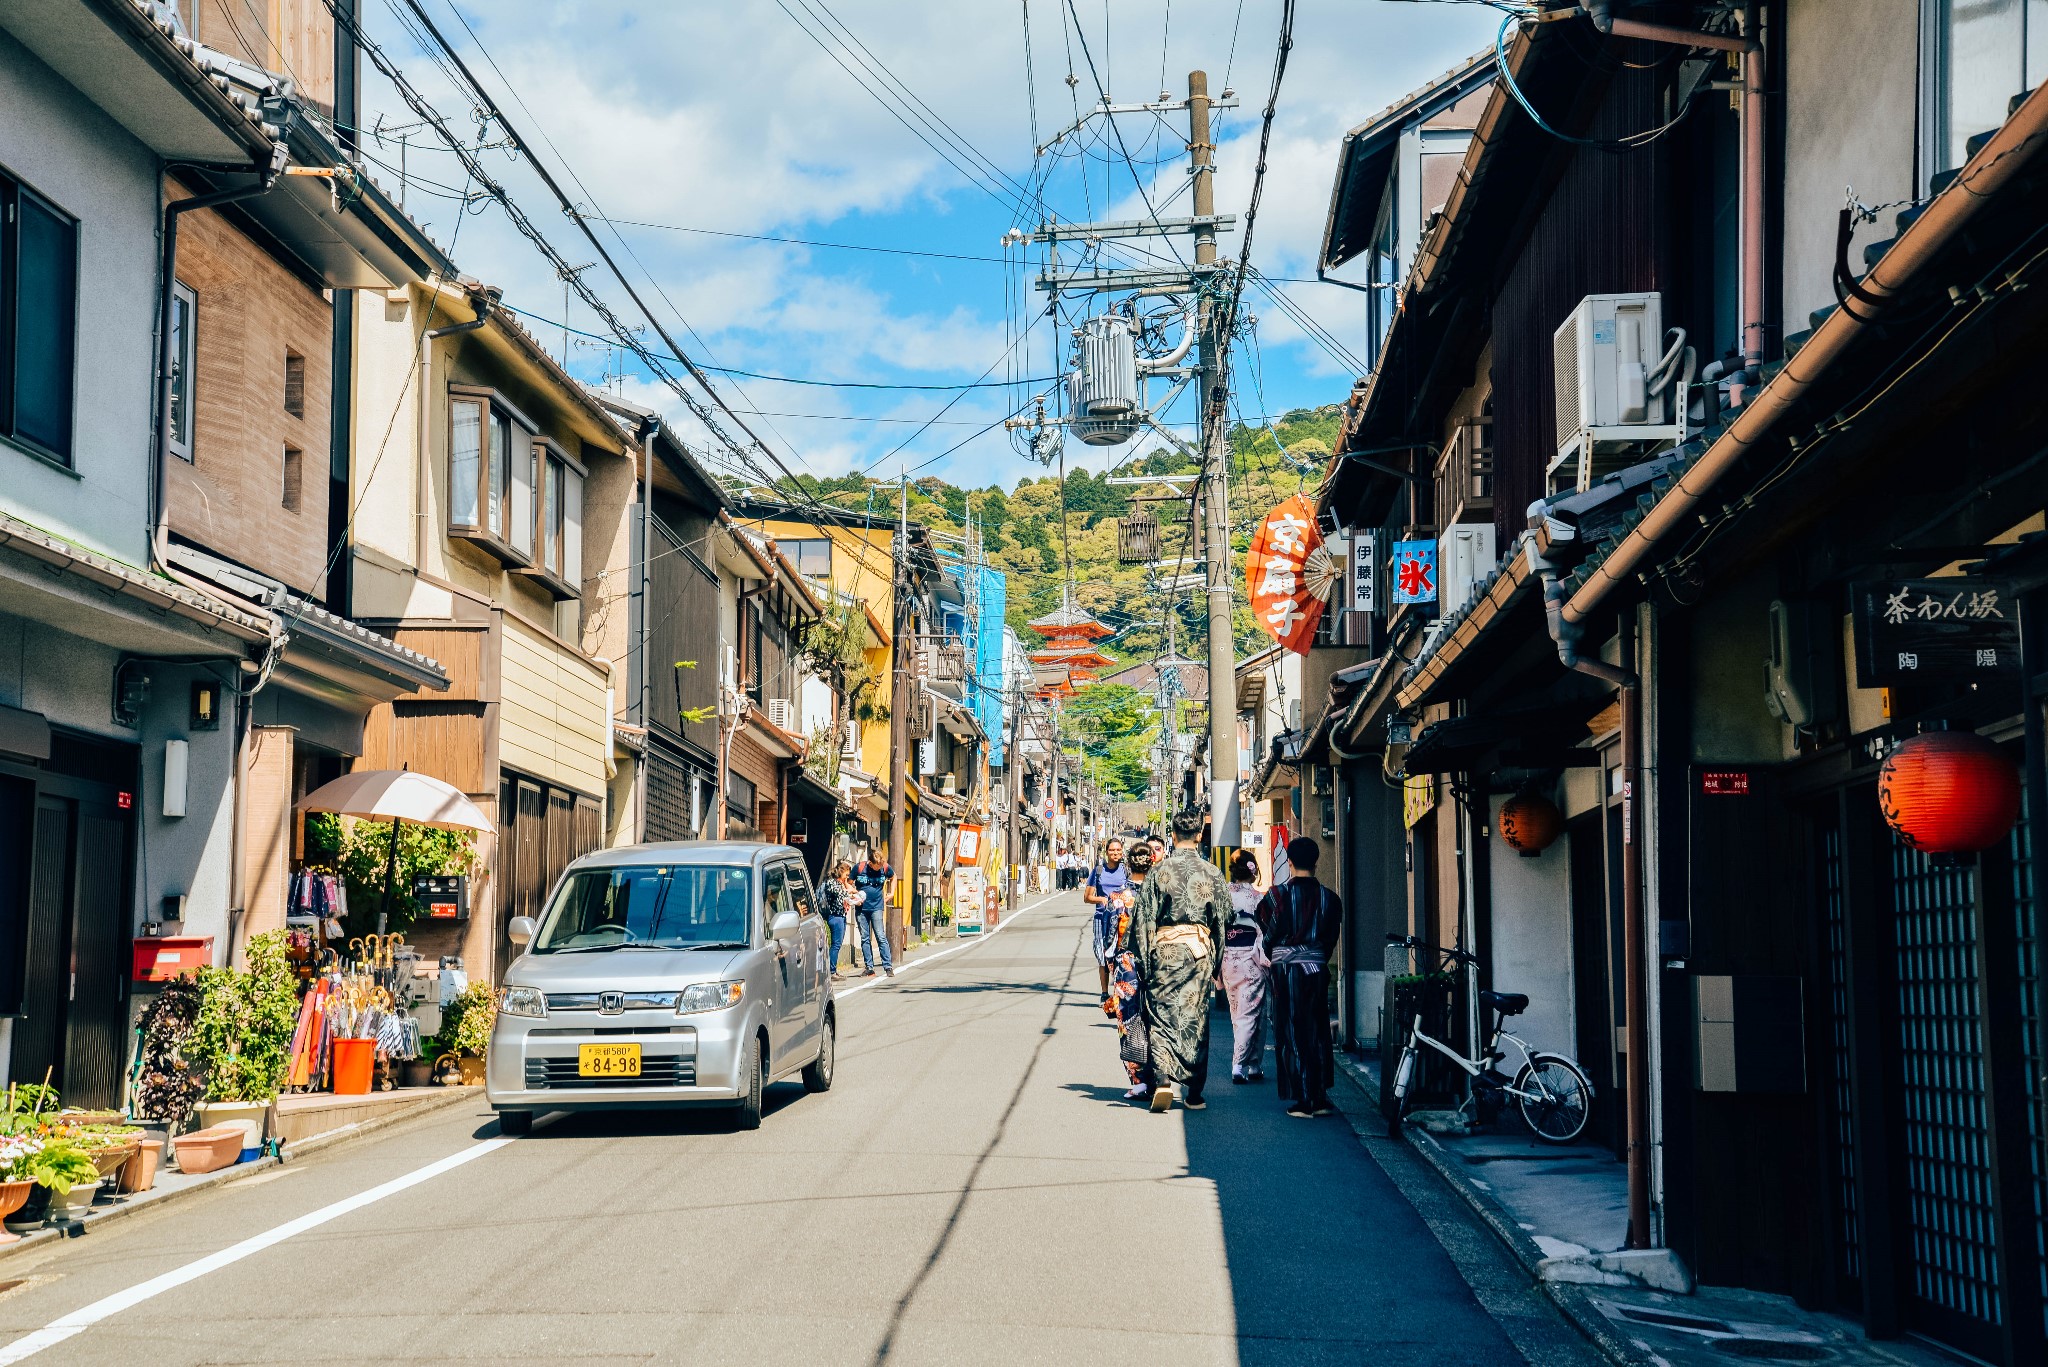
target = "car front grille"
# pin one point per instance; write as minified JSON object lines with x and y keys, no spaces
{"x":655,"y":1071}
{"x":630,"y":1001}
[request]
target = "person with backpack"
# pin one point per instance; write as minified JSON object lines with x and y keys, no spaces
{"x":1300,"y":920}
{"x":873,"y":877}
{"x":1108,"y":882}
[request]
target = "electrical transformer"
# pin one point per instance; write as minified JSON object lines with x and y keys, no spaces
{"x":1102,"y":390}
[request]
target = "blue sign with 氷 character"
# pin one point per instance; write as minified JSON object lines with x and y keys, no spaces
{"x":1414,"y":572}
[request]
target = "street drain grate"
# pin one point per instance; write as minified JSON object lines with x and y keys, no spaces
{"x":1772,"y":1350}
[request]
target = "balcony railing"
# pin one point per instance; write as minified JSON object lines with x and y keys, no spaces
{"x":1464,"y":474}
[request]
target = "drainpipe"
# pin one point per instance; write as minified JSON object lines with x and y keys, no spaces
{"x":1635,"y":989}
{"x":1749,"y":44}
{"x":483,"y":299}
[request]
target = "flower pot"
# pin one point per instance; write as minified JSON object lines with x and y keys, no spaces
{"x":34,"y":1212}
{"x":213,"y":1113}
{"x":69,"y":1207}
{"x":12,"y":1195}
{"x":415,"y":1072}
{"x":355,"y":1063}
{"x":138,"y":1174}
{"x":208,"y":1150}
{"x":159,"y":1130}
{"x":472,"y":1071}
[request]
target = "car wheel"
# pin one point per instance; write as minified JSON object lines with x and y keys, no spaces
{"x":747,"y":1115}
{"x":818,"y":1072}
{"x":515,"y":1123}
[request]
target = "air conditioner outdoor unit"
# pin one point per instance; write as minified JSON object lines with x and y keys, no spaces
{"x":1614,"y":380}
{"x":1464,"y":556}
{"x":782,"y":714}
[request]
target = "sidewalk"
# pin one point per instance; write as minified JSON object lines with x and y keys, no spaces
{"x":1563,"y":1213}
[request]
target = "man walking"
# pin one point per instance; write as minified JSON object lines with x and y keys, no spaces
{"x":1105,"y":885}
{"x":1176,"y":937}
{"x":1300,"y":920}
{"x":873,"y":878}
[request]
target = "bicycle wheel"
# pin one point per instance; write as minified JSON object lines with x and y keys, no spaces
{"x":1556,"y":1098}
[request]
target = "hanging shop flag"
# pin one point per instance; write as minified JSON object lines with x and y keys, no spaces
{"x":1414,"y":572}
{"x":1365,"y":556}
{"x":1290,"y":575}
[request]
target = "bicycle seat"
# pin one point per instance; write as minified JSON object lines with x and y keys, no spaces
{"x":1507,"y":1003}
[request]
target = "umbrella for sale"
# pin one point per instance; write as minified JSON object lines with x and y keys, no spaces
{"x":397,"y":796}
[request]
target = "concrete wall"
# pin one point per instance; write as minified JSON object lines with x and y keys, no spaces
{"x":79,"y":159}
{"x":1851,"y":71}
{"x":1532,"y":937}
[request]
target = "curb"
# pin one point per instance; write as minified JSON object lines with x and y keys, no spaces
{"x":310,"y":1145}
{"x":1570,"y":1298}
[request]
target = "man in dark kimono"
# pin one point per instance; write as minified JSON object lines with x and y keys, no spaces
{"x":1176,"y":938}
{"x":1301,"y":919}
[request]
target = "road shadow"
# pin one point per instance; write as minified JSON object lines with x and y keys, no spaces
{"x":634,"y":1121}
{"x":1329,"y":1262}
{"x":1096,"y":1091}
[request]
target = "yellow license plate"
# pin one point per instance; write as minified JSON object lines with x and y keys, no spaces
{"x":608,"y":1060}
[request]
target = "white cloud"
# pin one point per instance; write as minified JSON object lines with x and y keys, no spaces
{"x":731,"y":117}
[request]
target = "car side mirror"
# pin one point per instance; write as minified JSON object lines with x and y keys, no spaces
{"x":784,"y":920}
{"x":520,"y":930}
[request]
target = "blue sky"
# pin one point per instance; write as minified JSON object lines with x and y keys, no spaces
{"x":736,"y":118}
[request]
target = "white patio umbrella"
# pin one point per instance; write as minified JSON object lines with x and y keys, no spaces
{"x":397,"y":796}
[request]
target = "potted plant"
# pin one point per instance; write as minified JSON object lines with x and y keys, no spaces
{"x":68,"y":1171}
{"x":242,"y":1035}
{"x":466,"y":1032}
{"x":167,"y":1086}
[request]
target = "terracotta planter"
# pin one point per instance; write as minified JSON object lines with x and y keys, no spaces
{"x":138,"y":1174}
{"x":208,"y":1150}
{"x":34,"y":1212}
{"x":472,"y":1070}
{"x":12,"y":1196}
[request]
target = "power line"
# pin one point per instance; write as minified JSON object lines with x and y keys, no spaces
{"x":802,"y":241}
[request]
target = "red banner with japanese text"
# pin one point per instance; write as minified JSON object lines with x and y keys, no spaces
{"x":1290,"y":575}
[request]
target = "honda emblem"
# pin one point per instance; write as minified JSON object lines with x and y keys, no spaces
{"x":611,"y":1003}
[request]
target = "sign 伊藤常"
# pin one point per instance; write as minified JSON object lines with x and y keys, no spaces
{"x":1365,"y":555}
{"x":1414,"y":572}
{"x":1908,"y":629}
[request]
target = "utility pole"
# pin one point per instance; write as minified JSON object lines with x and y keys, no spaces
{"x":899,"y":717}
{"x":1224,"y":831}
{"x":1013,"y":794}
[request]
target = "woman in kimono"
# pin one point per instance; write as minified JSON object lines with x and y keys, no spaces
{"x":1124,"y":989}
{"x":1244,"y":972}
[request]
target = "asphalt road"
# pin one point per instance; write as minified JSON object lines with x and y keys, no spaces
{"x":972,"y":1190}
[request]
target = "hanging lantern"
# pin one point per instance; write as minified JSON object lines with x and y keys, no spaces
{"x":1949,"y":792}
{"x":1530,"y":823}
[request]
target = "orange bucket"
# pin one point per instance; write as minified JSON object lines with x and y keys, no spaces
{"x":355,"y":1062}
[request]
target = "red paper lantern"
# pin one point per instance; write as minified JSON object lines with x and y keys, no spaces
{"x":1949,"y":792}
{"x":1530,"y":823}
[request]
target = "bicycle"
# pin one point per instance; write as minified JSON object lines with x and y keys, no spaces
{"x":1552,"y":1092}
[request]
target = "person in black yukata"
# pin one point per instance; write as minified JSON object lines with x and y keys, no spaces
{"x":1176,"y":939}
{"x":1300,"y":920}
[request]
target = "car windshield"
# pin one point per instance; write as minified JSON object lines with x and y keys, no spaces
{"x":665,"y":906}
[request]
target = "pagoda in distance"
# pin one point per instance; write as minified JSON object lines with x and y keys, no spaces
{"x":1068,"y":660}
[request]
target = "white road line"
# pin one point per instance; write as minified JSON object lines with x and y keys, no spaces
{"x":980,"y":939}
{"x":78,"y":1321}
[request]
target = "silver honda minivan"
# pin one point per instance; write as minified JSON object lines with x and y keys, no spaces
{"x":683,"y":973}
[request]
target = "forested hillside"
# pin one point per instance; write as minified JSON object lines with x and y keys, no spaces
{"x":1030,"y":531}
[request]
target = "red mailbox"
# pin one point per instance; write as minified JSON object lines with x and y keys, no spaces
{"x":160,"y":958}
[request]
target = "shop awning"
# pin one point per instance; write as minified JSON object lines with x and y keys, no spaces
{"x":1529,"y":738}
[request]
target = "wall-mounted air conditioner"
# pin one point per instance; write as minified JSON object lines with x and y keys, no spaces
{"x":1616,"y":379}
{"x":1464,"y":557}
{"x":782,"y":715}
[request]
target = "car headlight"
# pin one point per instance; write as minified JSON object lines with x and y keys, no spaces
{"x":523,"y":1001}
{"x":709,"y":997}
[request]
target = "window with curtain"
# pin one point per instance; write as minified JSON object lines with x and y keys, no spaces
{"x":465,"y":461}
{"x":558,"y":559}
{"x":38,"y":320}
{"x":1976,"y":55}
{"x":492,"y":475}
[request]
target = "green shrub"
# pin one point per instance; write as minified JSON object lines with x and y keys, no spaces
{"x":242,"y":1036}
{"x":466,"y":1022}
